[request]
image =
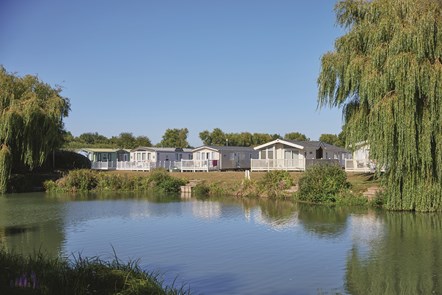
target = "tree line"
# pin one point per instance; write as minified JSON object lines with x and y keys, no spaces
{"x":177,"y":137}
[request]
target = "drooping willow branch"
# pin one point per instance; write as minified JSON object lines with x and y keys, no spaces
{"x":31,"y":122}
{"x":386,"y":74}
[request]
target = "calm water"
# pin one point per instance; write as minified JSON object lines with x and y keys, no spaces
{"x":226,"y":246}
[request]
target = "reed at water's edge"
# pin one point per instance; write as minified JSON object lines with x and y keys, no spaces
{"x":39,"y":274}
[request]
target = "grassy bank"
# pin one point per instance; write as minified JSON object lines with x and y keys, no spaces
{"x":275,"y":184}
{"x":39,"y":274}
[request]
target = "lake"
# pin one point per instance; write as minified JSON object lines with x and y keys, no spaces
{"x":230,"y":246}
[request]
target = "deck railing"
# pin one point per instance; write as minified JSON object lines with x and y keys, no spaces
{"x":312,"y":162}
{"x":199,"y":165}
{"x":135,"y":165}
{"x":353,"y":165}
{"x":277,"y":164}
{"x":108,"y":165}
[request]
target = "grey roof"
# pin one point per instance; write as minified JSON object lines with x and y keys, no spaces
{"x":162,"y":149}
{"x":102,"y":150}
{"x":317,"y":144}
{"x":227,"y":148}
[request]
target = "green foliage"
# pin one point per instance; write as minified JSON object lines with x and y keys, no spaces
{"x":176,"y":138}
{"x":82,"y":180}
{"x":39,"y":274}
{"x":386,"y":74}
{"x":219,"y":138}
{"x":332,"y":139}
{"x":201,"y":190}
{"x":31,"y":126}
{"x":65,"y":160}
{"x":5,"y":167}
{"x":296,"y":136}
{"x":89,"y":180}
{"x":162,"y":181}
{"x":123,"y":141}
{"x":322,"y":184}
{"x":274,"y":183}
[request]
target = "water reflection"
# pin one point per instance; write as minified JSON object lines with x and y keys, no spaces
{"x":276,"y":214}
{"x":29,"y":223}
{"x":224,"y":245}
{"x":405,"y":257}
{"x":323,"y":221}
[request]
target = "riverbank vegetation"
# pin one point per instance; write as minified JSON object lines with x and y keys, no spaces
{"x":39,"y":274}
{"x":84,"y":180}
{"x":322,"y":184}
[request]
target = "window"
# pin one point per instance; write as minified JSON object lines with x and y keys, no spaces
{"x":263,"y":155}
{"x":270,"y":154}
{"x":291,"y":155}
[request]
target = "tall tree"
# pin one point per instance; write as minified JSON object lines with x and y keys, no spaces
{"x":175,"y":138}
{"x":331,"y":139}
{"x":92,"y":138}
{"x":386,"y":73}
{"x":296,"y":136}
{"x":126,"y":140}
{"x":142,"y":141}
{"x":216,"y":137}
{"x":31,"y":122}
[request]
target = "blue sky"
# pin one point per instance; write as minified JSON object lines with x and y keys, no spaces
{"x":143,"y":66}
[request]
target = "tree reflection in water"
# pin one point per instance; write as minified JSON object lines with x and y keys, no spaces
{"x":406,"y":259}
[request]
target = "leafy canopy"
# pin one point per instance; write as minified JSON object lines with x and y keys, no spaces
{"x":175,"y":138}
{"x":31,"y":122}
{"x":386,"y":74}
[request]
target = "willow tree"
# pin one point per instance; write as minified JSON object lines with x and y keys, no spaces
{"x":386,"y":74}
{"x":31,"y":114}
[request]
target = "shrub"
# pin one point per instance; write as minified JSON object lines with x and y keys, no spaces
{"x":322,"y":184}
{"x":80,"y":180}
{"x":161,"y":181}
{"x":274,"y":183}
{"x":201,"y":190}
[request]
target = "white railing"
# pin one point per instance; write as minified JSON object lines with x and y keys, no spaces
{"x":136,"y":165}
{"x":353,"y":165}
{"x":277,"y":164}
{"x":169,"y":165}
{"x":199,"y":165}
{"x":108,"y":165}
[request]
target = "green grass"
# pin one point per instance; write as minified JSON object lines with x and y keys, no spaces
{"x":39,"y":274}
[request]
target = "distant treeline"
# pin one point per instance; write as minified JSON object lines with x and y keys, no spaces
{"x":178,"y":138}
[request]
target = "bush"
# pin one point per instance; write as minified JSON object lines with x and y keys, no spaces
{"x":274,"y":183}
{"x":88,"y":180}
{"x":82,"y":180}
{"x":162,"y":181}
{"x":322,"y":184}
{"x":201,"y":190}
{"x":75,"y":180}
